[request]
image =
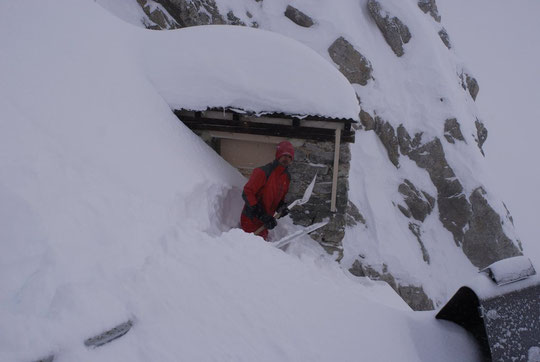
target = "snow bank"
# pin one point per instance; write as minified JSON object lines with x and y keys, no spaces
{"x":110,"y":209}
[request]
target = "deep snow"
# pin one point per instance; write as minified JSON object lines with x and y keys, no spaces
{"x":111,"y":209}
{"x":419,"y":90}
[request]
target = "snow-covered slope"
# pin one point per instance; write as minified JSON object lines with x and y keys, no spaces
{"x":507,"y":66}
{"x":112,"y":210}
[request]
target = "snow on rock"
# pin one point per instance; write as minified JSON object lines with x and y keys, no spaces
{"x":111,"y":210}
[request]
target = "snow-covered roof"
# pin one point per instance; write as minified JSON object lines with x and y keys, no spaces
{"x":512,"y":274}
{"x":255,"y":70}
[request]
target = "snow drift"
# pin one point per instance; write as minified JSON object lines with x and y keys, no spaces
{"x":110,"y":210}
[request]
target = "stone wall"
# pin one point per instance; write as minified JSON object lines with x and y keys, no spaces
{"x":318,"y":158}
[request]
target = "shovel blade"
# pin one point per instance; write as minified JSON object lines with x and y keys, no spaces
{"x":307,"y":194}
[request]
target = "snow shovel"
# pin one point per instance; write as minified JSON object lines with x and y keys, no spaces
{"x":302,"y":201}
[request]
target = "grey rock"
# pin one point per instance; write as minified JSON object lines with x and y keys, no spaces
{"x":193,"y":12}
{"x":404,"y":211}
{"x":469,"y":83}
{"x":354,"y":66}
{"x":430,"y":199}
{"x":414,"y":296}
{"x":445,"y":38}
{"x":356,"y":269}
{"x":330,"y":236}
{"x":485,"y":241}
{"x":388,"y":137}
{"x":415,"y":229}
{"x":452,"y":131}
{"x":318,"y":157}
{"x":454,"y":208}
{"x":298,"y":17}
{"x":321,"y":157}
{"x":394,"y":31}
{"x":323,"y":153}
{"x":454,"y":213}
{"x":481,"y":134}
{"x":472,"y":85}
{"x":353,"y":216}
{"x":386,"y":134}
{"x":406,"y":143}
{"x":367,"y":120}
{"x":233,"y":19}
{"x":323,"y":188}
{"x":300,"y":155}
{"x":308,"y":170}
{"x":162,"y":20}
{"x":419,"y":204}
{"x":430,"y":6}
{"x":343,"y":169}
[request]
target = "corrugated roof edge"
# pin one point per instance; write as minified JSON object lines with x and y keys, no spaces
{"x":311,"y":117}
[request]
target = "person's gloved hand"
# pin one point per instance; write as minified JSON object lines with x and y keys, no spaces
{"x":282,"y":209}
{"x":268,"y":221}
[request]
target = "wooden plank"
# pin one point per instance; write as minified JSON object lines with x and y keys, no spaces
{"x":276,"y":132}
{"x":335,"y":173}
{"x":319,"y":134}
{"x":251,"y":137}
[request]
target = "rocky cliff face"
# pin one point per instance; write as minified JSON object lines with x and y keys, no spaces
{"x":420,"y":139}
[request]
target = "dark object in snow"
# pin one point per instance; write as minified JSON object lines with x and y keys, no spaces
{"x":46,"y":359}
{"x":394,"y":31}
{"x":109,"y":336}
{"x":431,"y":7}
{"x":481,"y":134}
{"x":298,"y":17}
{"x":445,"y":38}
{"x":351,"y":63}
{"x":504,"y":318}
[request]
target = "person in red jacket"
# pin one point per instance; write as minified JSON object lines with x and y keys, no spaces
{"x":264,"y":193}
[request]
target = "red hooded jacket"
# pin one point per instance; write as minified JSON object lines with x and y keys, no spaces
{"x":267,"y":186}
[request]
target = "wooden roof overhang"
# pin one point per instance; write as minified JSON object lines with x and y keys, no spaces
{"x":282,"y":125}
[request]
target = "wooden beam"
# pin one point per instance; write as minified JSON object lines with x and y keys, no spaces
{"x":336,"y":169}
{"x":252,"y":137}
{"x":310,"y":133}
